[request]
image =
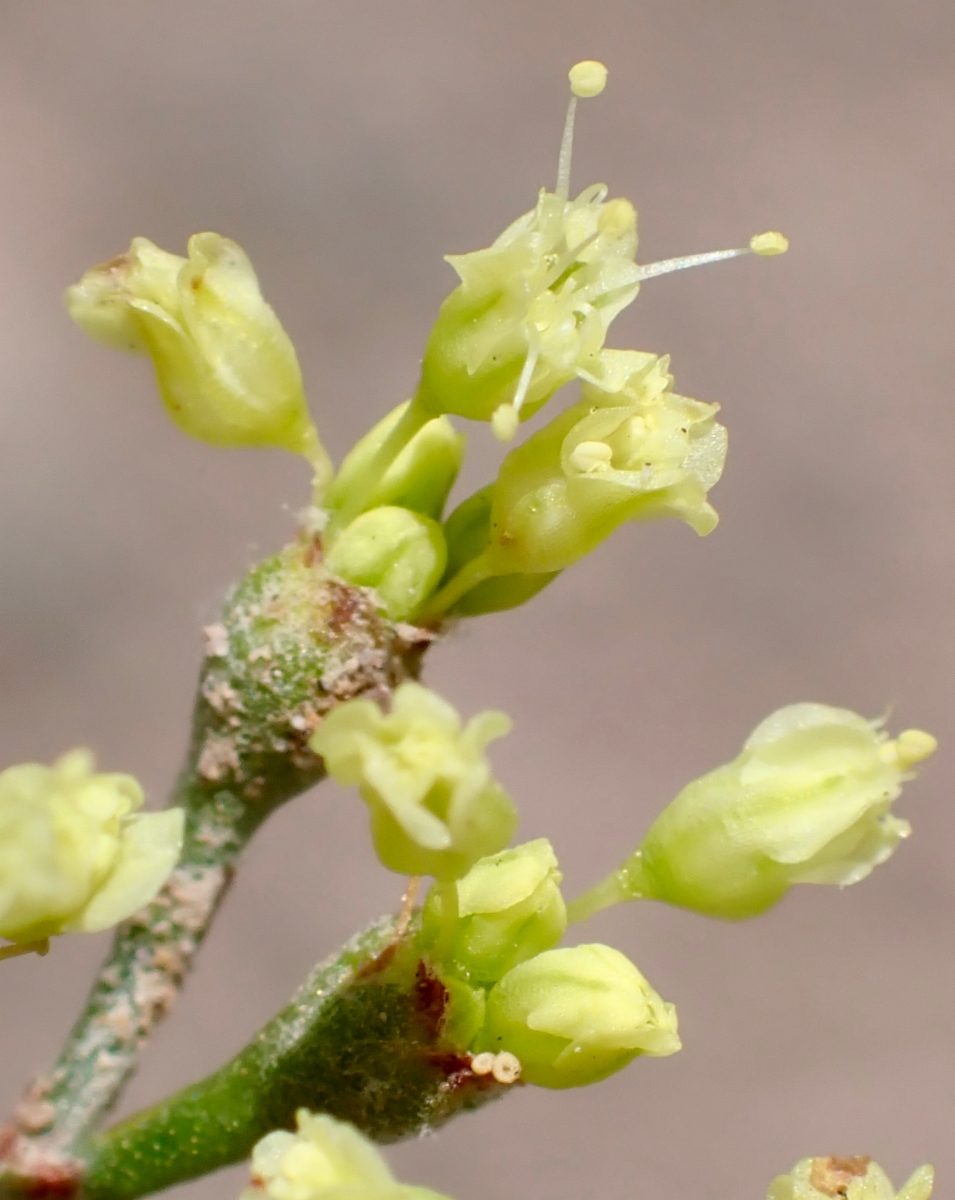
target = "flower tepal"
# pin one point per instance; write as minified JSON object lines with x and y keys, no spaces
{"x":574,"y":1016}
{"x":75,"y":855}
{"x":435,"y":807}
{"x":324,"y":1159}
{"x":226,"y":369}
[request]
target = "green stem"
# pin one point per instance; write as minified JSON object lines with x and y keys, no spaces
{"x":470,"y":575}
{"x":41,"y":947}
{"x":360,"y":1040}
{"x":291,"y":645}
{"x":619,"y":886}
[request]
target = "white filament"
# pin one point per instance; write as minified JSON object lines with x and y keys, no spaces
{"x":651,"y":270}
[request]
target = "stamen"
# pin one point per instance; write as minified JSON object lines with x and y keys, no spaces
{"x":506,"y":417}
{"x":591,"y":458}
{"x":764,"y":244}
{"x":587,"y":79}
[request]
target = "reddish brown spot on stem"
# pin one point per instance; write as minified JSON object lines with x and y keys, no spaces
{"x":431,"y":999}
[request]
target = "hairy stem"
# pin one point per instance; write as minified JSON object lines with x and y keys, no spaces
{"x":362,"y":1040}
{"x":292,"y":643}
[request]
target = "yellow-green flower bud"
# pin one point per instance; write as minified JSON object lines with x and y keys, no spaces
{"x":324,"y":1160}
{"x":532,"y":310}
{"x":226,"y":369}
{"x":75,"y":856}
{"x":419,"y":478}
{"x":574,"y":1016}
{"x":808,"y":801}
{"x":855,"y":1178}
{"x":435,"y":807}
{"x":509,"y":908}
{"x":400,"y":554}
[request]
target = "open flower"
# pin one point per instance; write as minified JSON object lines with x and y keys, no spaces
{"x":324,"y":1159}
{"x":226,"y":369}
{"x":856,"y":1178}
{"x":533,"y":309}
{"x":435,"y":807}
{"x":573,"y":1016}
{"x":630,"y":449}
{"x":75,"y":855}
{"x":808,"y":801}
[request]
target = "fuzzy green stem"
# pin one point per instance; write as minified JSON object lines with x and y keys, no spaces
{"x":291,"y":645}
{"x":361,"y":1040}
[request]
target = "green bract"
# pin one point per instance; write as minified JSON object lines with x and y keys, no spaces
{"x":807,"y":801}
{"x":419,"y":477}
{"x":324,"y":1160}
{"x":435,"y":807}
{"x":574,"y":1016}
{"x":532,"y":310}
{"x":847,"y":1179}
{"x":226,"y":369}
{"x":509,"y":908}
{"x":400,"y":554}
{"x":75,"y":856}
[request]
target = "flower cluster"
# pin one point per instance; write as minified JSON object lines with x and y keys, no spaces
{"x":530,"y":314}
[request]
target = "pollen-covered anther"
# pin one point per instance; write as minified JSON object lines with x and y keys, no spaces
{"x":618,"y":218}
{"x":911,"y":747}
{"x":768,"y":244}
{"x":591,"y":458}
{"x":588,"y":78}
{"x":504,"y":422}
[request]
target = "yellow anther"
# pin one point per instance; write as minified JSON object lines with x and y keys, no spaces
{"x":588,"y":78}
{"x":769,"y":243}
{"x":504,"y":422}
{"x":591,"y":457}
{"x":617,"y":218}
{"x":914,"y":746}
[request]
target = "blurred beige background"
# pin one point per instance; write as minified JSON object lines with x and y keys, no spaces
{"x":348,"y":146}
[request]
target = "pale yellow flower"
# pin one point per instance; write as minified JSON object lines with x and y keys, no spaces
{"x":75,"y":855}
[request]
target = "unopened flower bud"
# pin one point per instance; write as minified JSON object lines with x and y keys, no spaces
{"x":419,"y":478}
{"x":435,"y":807}
{"x":574,"y":1016}
{"x":509,"y":908}
{"x":75,"y":855}
{"x":855,"y":1178}
{"x":324,"y":1159}
{"x":226,"y":369}
{"x":401,"y":554}
{"x":808,"y":801}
